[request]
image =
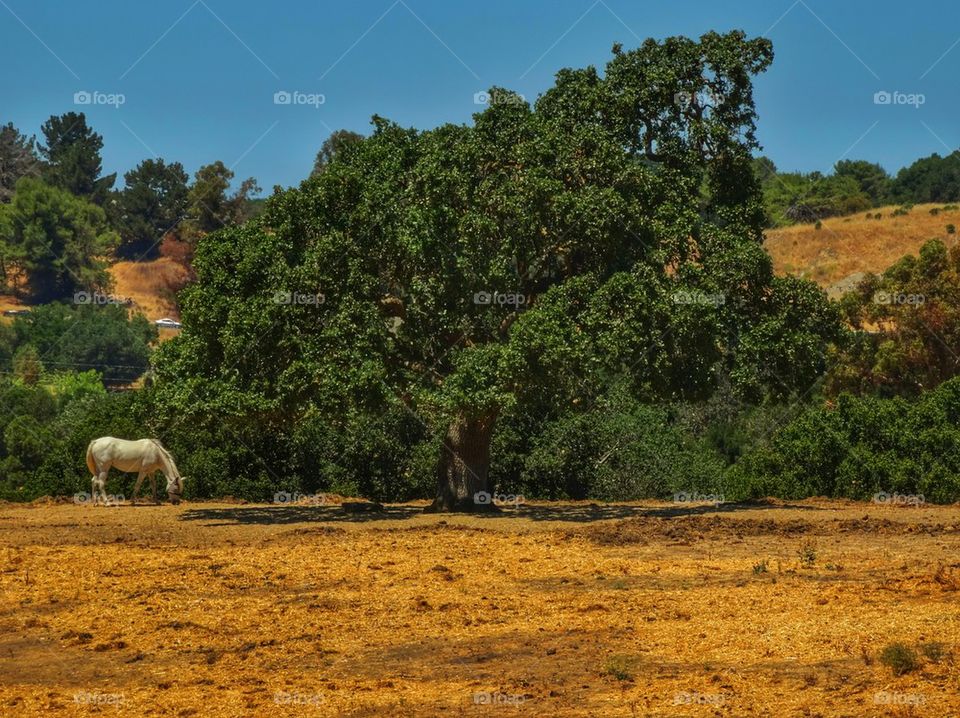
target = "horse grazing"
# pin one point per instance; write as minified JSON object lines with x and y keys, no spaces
{"x":145,"y":456}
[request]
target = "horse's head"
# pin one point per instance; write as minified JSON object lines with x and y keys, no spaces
{"x":175,"y":488}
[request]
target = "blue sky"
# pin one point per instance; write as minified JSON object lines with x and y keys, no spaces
{"x":198,"y":77}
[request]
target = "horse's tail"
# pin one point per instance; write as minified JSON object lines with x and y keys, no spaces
{"x":90,"y":463}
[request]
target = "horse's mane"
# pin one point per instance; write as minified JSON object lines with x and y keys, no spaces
{"x":167,"y":455}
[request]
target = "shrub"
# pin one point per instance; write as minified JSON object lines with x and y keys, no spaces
{"x":951,"y":229}
{"x":900,"y":658}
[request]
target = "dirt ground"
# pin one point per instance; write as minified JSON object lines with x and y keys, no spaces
{"x":573,"y":609}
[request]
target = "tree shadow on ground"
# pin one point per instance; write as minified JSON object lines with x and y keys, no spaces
{"x":573,"y":513}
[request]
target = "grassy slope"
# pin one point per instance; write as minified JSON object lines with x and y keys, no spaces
{"x":844,"y":247}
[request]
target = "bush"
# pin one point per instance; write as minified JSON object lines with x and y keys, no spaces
{"x":618,"y":450}
{"x":859,"y":447}
{"x":900,"y":658}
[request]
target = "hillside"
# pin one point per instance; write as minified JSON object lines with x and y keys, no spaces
{"x":844,"y":248}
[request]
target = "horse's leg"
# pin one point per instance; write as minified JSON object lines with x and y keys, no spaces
{"x":102,"y":486}
{"x":153,"y":486}
{"x":93,"y":489}
{"x":136,"y":486}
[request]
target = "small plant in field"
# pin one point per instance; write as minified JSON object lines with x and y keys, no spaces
{"x":619,"y":585}
{"x":933,"y":652}
{"x":878,"y":215}
{"x":807,"y":554}
{"x":935,"y":211}
{"x":818,"y":225}
{"x":951,"y":229}
{"x":950,"y":207}
{"x":900,"y":658}
{"x":619,"y":667}
{"x":760,"y":567}
{"x":869,"y":216}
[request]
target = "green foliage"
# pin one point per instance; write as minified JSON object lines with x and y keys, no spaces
{"x":859,"y":447}
{"x":338,"y":143}
{"x":27,"y":366}
{"x":88,"y":337}
{"x":872,"y":179}
{"x":930,"y":179}
{"x":900,"y":658}
{"x":796,"y":197}
{"x":151,"y":204}
{"x":209,"y":207}
{"x":18,"y":158}
{"x":72,"y":154}
{"x":914,"y":319}
{"x":57,"y":239}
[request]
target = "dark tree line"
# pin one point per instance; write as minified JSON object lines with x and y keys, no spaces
{"x":854,"y":186}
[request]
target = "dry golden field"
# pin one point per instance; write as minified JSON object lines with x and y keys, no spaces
{"x":574,"y":609}
{"x":844,"y":247}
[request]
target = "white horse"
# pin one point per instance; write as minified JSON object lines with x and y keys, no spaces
{"x":145,"y":456}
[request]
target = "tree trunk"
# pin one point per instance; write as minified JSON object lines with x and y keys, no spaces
{"x":464,"y":464}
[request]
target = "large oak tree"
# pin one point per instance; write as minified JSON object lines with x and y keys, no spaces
{"x":612,"y":229}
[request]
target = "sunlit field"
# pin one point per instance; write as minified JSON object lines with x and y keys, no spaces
{"x":572,"y":609}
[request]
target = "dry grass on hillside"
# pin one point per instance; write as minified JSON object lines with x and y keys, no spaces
{"x":151,"y":285}
{"x":846,"y":246}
